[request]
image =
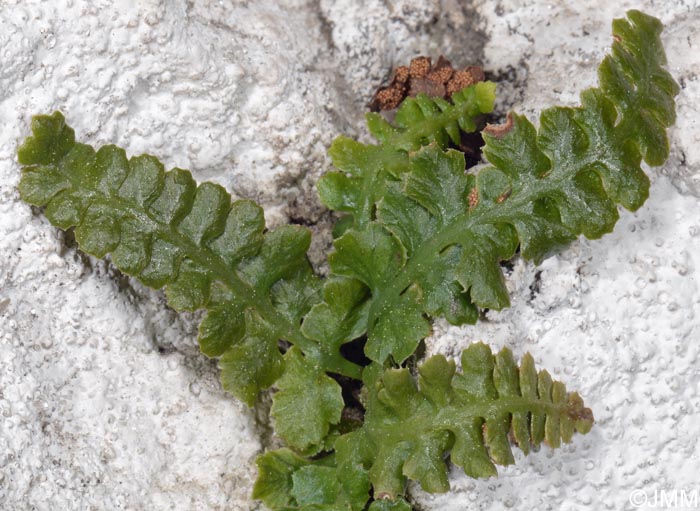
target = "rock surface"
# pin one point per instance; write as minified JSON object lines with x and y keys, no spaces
{"x":105,"y":402}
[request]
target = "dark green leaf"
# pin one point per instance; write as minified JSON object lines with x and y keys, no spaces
{"x":341,"y":317}
{"x":50,"y":141}
{"x":634,"y":79}
{"x":307,"y":403}
{"x":313,"y":485}
{"x":275,"y":471}
{"x":289,"y":482}
{"x":254,"y":363}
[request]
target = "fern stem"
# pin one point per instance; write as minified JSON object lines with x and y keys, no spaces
{"x":452,"y":417}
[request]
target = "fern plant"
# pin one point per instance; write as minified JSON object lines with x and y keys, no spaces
{"x":420,"y":238}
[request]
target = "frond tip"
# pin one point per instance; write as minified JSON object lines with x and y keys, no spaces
{"x":411,"y":423}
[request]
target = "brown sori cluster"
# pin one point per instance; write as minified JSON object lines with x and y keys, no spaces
{"x":421,"y":76}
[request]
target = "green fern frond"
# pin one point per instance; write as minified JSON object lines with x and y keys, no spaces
{"x":439,"y":234}
{"x":412,"y":423}
{"x":409,"y":425}
{"x":205,"y":250}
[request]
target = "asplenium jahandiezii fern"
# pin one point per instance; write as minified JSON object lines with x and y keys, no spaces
{"x":437,"y":236}
{"x":422,"y":237}
{"x":411,"y":423}
{"x":207,"y":251}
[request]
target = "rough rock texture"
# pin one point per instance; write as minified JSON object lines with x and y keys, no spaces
{"x":105,"y":403}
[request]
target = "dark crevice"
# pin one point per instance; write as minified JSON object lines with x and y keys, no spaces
{"x":418,"y":355}
{"x":536,"y":285}
{"x":354,"y":351}
{"x":507,"y":265}
{"x":326,"y":27}
{"x":299,"y":220}
{"x":351,"y":388}
{"x":354,"y":411}
{"x":283,"y":346}
{"x":263,"y":423}
{"x":165,"y":350}
{"x":470,"y":145}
